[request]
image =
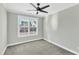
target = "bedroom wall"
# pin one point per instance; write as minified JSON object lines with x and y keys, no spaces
{"x":62,"y":28}
{"x":12,"y":30}
{"x":3,"y":29}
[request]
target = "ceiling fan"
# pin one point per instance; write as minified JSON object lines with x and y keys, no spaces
{"x":38,"y":8}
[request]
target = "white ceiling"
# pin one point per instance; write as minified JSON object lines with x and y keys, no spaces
{"x":24,"y":7}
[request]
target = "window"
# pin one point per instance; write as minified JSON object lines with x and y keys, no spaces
{"x":27,"y":26}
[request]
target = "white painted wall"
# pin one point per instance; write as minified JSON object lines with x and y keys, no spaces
{"x":62,"y":28}
{"x":3,"y":29}
{"x":13,"y":39}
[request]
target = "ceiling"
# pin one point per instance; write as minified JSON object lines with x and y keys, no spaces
{"x":24,"y":7}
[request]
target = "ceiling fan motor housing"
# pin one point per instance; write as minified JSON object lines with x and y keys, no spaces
{"x":38,"y":4}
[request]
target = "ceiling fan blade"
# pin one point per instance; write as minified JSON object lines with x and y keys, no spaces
{"x":43,"y":11}
{"x":45,"y":7}
{"x":33,"y":5}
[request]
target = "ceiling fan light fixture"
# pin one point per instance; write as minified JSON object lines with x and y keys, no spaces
{"x":38,"y":8}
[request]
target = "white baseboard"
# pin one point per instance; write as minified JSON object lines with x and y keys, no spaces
{"x":4,"y":50}
{"x":23,"y":42}
{"x":62,"y":46}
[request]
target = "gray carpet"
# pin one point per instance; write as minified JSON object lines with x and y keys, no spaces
{"x":39,"y":47}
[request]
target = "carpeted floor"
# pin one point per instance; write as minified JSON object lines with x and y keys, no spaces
{"x":39,"y":47}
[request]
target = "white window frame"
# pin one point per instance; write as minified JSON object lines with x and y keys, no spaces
{"x":28,"y":19}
